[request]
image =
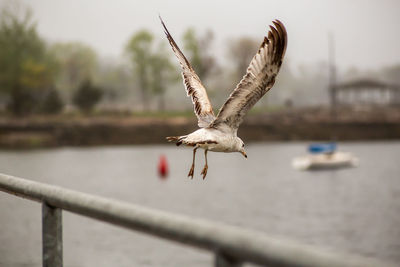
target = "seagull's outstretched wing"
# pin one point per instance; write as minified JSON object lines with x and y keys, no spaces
{"x":193,"y":85}
{"x":259,"y":78}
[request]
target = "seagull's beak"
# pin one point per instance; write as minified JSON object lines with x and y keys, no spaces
{"x":244,"y":154}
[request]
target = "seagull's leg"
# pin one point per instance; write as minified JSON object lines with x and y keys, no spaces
{"x":204,"y":171}
{"x":192,"y":168}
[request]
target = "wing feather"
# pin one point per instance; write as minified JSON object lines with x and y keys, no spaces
{"x":194,"y":87}
{"x":259,"y":78}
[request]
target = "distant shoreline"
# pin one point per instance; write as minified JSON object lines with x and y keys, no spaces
{"x":294,"y":124}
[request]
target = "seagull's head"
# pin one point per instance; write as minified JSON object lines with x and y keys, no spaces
{"x":240,"y":147}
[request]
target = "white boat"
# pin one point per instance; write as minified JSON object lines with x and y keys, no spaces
{"x":332,"y":160}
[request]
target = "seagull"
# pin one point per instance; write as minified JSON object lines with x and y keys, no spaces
{"x":219,"y":133}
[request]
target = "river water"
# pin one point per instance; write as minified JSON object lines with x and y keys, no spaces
{"x":354,"y":210}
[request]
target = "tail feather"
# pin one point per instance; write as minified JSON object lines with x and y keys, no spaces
{"x":172,"y":138}
{"x":175,"y":139}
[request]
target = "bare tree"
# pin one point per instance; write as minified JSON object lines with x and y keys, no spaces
{"x":77,"y":62}
{"x":163,"y":74}
{"x":139,"y":50}
{"x":198,"y":52}
{"x":240,"y":52}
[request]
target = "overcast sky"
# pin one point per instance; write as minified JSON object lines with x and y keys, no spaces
{"x":367,"y":33}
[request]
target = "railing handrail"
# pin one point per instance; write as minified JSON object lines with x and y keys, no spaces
{"x":240,"y":244}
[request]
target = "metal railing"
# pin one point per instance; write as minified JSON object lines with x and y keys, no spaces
{"x":231,"y":245}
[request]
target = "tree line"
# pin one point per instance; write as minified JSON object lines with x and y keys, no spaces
{"x":38,"y":77}
{"x":30,"y":68}
{"x":41,"y":77}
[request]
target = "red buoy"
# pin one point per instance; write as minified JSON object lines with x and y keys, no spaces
{"x":163,"y":167}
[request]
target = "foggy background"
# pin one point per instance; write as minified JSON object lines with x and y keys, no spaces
{"x":90,"y":89}
{"x":366,"y":32}
{"x":88,"y":41}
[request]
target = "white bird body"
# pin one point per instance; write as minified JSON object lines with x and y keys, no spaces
{"x":213,"y":140}
{"x":219,"y":133}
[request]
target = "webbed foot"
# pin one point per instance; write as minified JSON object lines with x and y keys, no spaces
{"x":191,"y":172}
{"x":204,"y":171}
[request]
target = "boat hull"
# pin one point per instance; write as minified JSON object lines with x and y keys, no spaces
{"x":325,"y":161}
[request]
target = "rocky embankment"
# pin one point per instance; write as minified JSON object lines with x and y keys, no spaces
{"x":296,"y":124}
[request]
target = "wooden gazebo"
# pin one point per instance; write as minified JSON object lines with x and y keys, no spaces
{"x":366,"y":92}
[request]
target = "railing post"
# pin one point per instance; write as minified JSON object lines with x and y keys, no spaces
{"x":223,"y":260}
{"x":51,"y":236}
{"x":232,"y":245}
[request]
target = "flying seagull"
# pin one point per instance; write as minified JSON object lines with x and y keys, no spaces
{"x":219,"y":133}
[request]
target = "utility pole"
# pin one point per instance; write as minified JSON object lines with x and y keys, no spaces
{"x":332,"y":75}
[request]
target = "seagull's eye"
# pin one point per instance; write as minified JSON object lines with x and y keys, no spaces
{"x":243,"y":145}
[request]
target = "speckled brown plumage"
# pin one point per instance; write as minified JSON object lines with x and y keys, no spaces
{"x":259,"y":78}
{"x":219,"y":133}
{"x":194,"y":87}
